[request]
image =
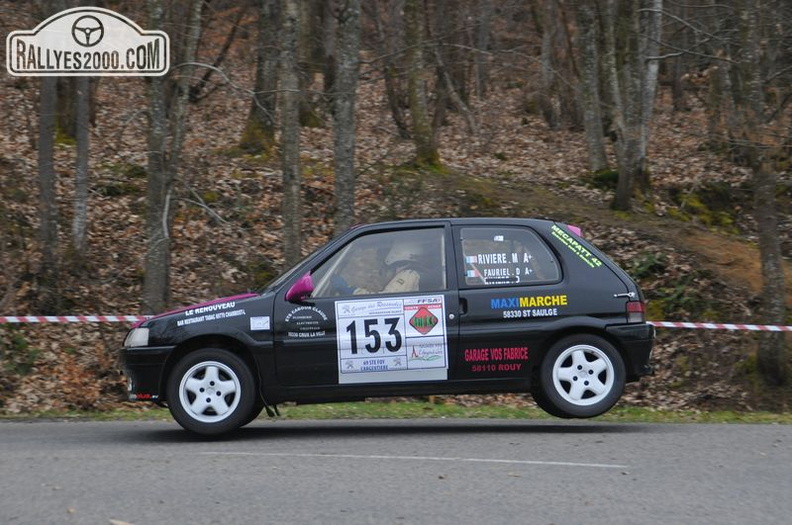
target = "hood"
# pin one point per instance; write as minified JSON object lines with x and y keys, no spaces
{"x":238,"y":297}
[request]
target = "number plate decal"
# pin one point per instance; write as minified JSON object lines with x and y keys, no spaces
{"x":389,"y":340}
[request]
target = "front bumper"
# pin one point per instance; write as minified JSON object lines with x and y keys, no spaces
{"x":637,"y":341}
{"x":144,"y":368}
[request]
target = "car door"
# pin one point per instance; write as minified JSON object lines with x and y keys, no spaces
{"x":380,"y":311}
{"x":510,"y":289}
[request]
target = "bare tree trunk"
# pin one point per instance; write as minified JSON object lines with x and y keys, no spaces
{"x":310,"y":57}
{"x":156,"y":282}
{"x":259,"y":133}
{"x":329,"y":11}
{"x":387,"y":44}
{"x":650,"y":21}
{"x":164,"y":159}
{"x":589,"y":87}
{"x":549,"y":14}
{"x":290,"y":133}
{"x":629,"y":150}
{"x":617,"y":108}
{"x":569,"y":101}
{"x":67,"y":101}
{"x":771,"y":357}
{"x":483,"y":30}
{"x":66,"y":120}
{"x":717,"y":90}
{"x":178,"y":111}
{"x":679,"y":63}
{"x":48,"y":209}
{"x":198,"y":89}
{"x":454,"y":96}
{"x":80,"y":219}
{"x":446,"y":32}
{"x":633,"y":84}
{"x":423,"y":134}
{"x":345,"y":95}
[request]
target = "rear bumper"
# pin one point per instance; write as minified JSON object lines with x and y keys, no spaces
{"x":144,"y":368}
{"x":637,"y":341}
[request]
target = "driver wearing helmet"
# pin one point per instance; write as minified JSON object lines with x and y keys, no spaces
{"x":403,"y":260}
{"x":403,"y":264}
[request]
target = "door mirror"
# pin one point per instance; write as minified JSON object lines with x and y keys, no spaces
{"x":301,"y":289}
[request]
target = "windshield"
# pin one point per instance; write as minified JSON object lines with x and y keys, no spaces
{"x":288,"y":274}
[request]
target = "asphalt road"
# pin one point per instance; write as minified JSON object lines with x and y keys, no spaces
{"x":396,"y":472}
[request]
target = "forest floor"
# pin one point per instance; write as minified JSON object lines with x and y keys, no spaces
{"x":690,"y":243}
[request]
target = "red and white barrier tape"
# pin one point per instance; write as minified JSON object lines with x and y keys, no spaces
{"x":723,"y":326}
{"x":72,"y":319}
{"x":137,"y":318}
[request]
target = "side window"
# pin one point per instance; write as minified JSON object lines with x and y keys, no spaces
{"x":502,"y":256}
{"x":387,"y":262}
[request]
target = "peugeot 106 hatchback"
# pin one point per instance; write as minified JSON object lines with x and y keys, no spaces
{"x":417,"y":307}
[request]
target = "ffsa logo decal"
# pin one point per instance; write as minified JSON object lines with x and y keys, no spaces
{"x":87,"y":41}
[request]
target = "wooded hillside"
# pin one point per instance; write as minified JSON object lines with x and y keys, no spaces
{"x":661,"y":128}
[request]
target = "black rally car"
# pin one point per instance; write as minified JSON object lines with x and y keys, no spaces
{"x":418,"y":307}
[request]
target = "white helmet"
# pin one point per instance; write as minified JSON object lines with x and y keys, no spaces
{"x":405,"y":251}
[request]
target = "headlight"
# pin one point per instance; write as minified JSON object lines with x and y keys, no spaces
{"x":137,"y":337}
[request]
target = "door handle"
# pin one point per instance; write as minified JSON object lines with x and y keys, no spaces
{"x":463,"y":306}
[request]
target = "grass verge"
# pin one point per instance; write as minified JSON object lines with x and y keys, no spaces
{"x":414,"y":409}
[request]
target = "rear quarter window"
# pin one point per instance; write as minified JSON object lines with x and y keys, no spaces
{"x":504,"y":256}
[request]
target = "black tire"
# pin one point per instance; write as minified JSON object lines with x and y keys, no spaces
{"x":544,"y":403}
{"x":580,"y":376}
{"x":211,"y":392}
{"x":255,"y":412}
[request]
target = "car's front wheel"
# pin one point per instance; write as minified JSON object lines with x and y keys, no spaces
{"x":581,"y":376}
{"x":211,"y":391}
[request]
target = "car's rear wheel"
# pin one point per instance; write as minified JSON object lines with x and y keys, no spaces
{"x":211,"y":391}
{"x":580,"y":376}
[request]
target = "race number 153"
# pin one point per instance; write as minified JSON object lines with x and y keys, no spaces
{"x":376,"y":335}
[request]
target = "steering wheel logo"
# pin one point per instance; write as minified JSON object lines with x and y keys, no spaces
{"x":87,"y":31}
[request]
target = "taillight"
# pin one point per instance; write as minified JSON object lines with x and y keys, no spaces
{"x":636,"y":312}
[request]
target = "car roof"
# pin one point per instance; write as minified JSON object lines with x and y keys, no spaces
{"x":458,"y":221}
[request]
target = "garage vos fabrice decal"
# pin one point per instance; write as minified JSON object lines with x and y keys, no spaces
{"x":401,"y":339}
